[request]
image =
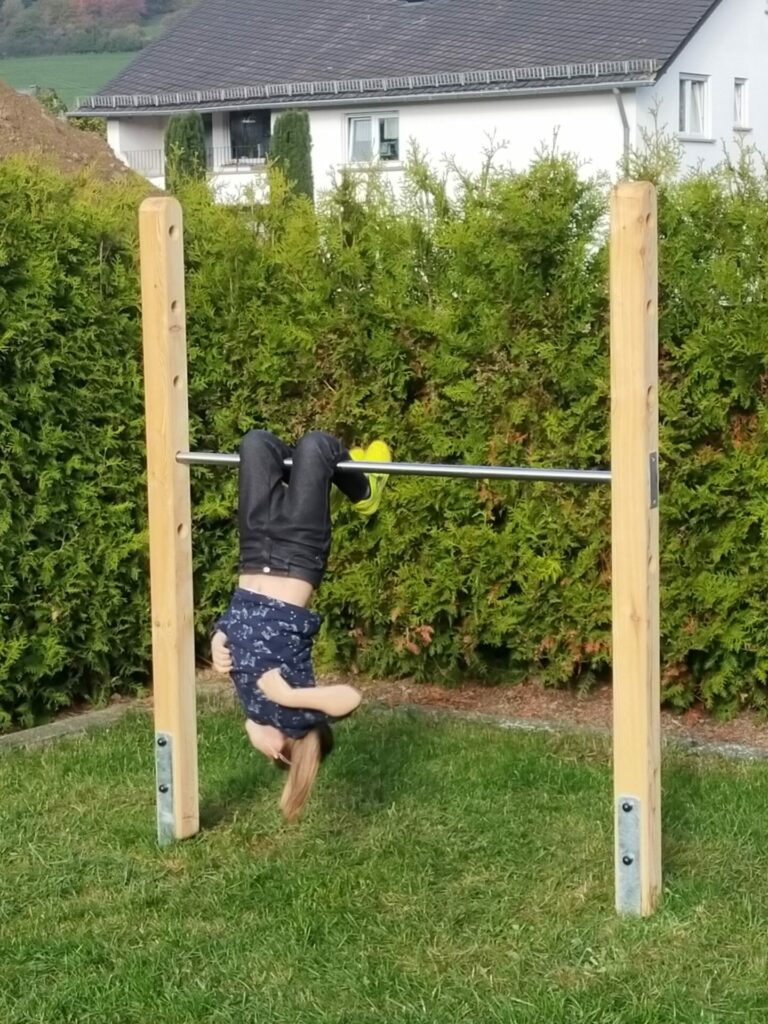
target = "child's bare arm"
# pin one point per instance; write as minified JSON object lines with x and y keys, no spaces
{"x":337,"y":700}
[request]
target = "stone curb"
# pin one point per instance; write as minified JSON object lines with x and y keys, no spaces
{"x":77,"y":725}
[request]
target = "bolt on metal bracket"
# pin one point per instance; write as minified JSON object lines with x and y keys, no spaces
{"x":166,"y":819}
{"x":654,"y":469}
{"x":628,"y":890}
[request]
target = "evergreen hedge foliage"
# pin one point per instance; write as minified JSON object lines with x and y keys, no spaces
{"x":291,"y":150}
{"x":184,"y":150}
{"x":472,"y":329}
{"x":73,"y":593}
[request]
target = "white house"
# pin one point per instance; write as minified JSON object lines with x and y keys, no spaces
{"x":450,"y":75}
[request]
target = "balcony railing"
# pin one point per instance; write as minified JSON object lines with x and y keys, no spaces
{"x":218,"y":159}
{"x":149,"y":162}
{"x":237,"y":158}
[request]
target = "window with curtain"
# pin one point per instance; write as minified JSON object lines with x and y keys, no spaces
{"x":694,"y":104}
{"x":373,"y":137}
{"x":360,"y":139}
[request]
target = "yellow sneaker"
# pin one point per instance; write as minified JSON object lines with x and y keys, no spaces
{"x":337,"y":498}
{"x":377,"y":451}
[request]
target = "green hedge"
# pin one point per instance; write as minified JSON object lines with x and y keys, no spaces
{"x":714,"y":432}
{"x":72,"y":514}
{"x":184,"y":145}
{"x":291,"y":150}
{"x":472,"y":328}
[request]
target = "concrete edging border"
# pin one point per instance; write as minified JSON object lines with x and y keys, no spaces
{"x":77,"y":725}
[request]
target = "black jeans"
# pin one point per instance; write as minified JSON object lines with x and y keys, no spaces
{"x":284,"y":514}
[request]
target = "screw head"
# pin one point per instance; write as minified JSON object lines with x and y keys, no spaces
{"x":163,"y":788}
{"x":626,"y":860}
{"x":162,"y":741}
{"x":626,"y":807}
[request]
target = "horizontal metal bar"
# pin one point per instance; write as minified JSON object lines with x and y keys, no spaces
{"x":584,"y":476}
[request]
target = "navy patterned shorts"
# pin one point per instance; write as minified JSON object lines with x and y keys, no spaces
{"x":263,"y":634}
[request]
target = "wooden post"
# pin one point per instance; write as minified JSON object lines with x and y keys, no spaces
{"x":635,"y":542}
{"x":170,"y":542}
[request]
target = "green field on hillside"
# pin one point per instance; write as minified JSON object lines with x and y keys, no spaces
{"x":70,"y":74}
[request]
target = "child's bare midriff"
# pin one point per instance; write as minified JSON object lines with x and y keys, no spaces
{"x":281,"y":588}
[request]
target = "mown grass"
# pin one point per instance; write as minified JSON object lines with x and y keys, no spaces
{"x":444,"y":873}
{"x":72,"y":75}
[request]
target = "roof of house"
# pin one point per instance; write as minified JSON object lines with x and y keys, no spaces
{"x":225,"y":53}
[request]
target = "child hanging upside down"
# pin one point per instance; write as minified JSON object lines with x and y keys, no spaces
{"x":264,"y":639}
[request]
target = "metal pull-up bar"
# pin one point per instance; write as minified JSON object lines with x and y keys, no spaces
{"x":583,"y":476}
{"x":634,"y":530}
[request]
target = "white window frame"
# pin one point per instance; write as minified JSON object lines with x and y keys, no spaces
{"x":694,"y":92}
{"x":375,"y":120}
{"x":741,"y":104}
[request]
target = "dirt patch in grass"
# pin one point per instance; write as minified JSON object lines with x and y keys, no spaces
{"x":529,"y":703}
{"x":532,"y":702}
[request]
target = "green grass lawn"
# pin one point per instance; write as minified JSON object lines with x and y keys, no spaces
{"x":70,"y":74}
{"x":444,"y":873}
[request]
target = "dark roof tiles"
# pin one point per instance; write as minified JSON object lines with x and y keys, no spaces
{"x":230,"y":43}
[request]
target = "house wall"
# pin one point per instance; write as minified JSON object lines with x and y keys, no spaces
{"x":220,"y":129}
{"x":731,"y":43}
{"x":588,"y":124}
{"x":138,"y":141}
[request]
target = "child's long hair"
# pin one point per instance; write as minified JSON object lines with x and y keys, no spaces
{"x":305,"y":756}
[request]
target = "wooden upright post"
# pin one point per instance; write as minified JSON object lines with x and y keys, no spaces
{"x":170,"y":542}
{"x":635,"y":542}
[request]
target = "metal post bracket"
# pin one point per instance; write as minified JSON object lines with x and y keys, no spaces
{"x":654,"y":471}
{"x":628,"y":891}
{"x":166,"y":819}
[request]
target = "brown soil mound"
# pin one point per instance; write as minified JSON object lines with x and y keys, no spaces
{"x":27,"y":129}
